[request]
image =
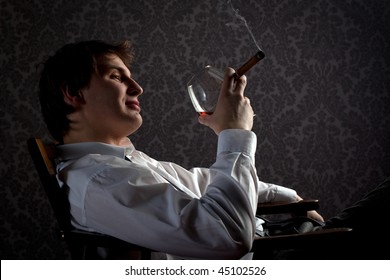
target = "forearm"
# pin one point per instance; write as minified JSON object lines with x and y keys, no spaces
{"x":275,"y":193}
{"x":235,"y":158}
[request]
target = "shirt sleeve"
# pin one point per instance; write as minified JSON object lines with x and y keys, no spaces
{"x":275,"y":193}
{"x":228,"y":142}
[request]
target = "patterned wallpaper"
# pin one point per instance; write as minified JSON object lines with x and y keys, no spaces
{"x":321,"y":95}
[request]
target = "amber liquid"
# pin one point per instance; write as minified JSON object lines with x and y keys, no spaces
{"x":205,"y":113}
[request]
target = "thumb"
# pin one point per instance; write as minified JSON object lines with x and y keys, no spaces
{"x":204,"y":119}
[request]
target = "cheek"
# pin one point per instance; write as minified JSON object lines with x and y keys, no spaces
{"x":102,"y":96}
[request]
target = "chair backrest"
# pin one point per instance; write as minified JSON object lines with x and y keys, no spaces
{"x":43,"y":156}
{"x":82,"y":244}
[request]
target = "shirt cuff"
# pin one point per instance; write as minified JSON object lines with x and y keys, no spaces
{"x":237,"y":140}
{"x":285,"y":194}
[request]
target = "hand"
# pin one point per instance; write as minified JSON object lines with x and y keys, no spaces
{"x":233,"y":109}
{"x":315,"y":216}
{"x":312,"y":214}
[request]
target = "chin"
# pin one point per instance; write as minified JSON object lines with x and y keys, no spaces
{"x":135,"y":125}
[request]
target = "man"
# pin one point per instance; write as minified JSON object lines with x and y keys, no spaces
{"x":89,"y":101}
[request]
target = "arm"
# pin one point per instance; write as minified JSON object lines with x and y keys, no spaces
{"x":275,"y":193}
{"x":132,"y":202}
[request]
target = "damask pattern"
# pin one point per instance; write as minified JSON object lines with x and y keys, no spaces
{"x":321,"y":95}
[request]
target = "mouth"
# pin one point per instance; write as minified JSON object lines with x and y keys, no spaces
{"x":134,"y":105}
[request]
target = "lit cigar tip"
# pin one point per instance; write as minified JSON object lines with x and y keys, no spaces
{"x":260,"y":55}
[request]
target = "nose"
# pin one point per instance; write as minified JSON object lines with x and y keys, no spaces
{"x":134,"y":88}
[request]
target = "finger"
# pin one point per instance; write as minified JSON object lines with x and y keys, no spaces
{"x":240,"y":84}
{"x":249,"y":103}
{"x":228,"y":81}
{"x":204,"y":119}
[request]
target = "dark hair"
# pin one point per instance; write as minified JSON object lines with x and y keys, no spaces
{"x":71,"y":68}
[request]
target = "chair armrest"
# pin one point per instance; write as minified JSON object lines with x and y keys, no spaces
{"x":312,"y":240}
{"x":299,"y":207}
{"x":85,"y":245}
{"x":98,"y":239}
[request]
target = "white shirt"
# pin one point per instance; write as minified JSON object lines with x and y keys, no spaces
{"x":198,"y":213}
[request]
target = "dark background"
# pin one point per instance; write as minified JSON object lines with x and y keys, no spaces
{"x":321,"y":95}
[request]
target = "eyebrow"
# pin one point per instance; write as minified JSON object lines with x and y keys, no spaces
{"x":104,"y":67}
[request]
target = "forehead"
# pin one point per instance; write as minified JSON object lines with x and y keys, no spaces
{"x":111,"y":62}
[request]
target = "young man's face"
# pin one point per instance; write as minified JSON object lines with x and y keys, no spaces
{"x":111,"y":108}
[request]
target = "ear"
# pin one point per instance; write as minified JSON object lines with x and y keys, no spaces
{"x":73,"y":99}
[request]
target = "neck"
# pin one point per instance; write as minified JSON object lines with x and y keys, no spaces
{"x":71,"y":139}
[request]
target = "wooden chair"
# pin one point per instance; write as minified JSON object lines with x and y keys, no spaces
{"x":85,"y":245}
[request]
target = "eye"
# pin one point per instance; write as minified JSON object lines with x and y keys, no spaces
{"x":116,"y":77}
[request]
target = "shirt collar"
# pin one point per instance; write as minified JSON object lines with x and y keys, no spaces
{"x":78,"y":150}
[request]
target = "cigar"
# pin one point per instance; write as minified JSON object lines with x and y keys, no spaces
{"x":249,"y":64}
